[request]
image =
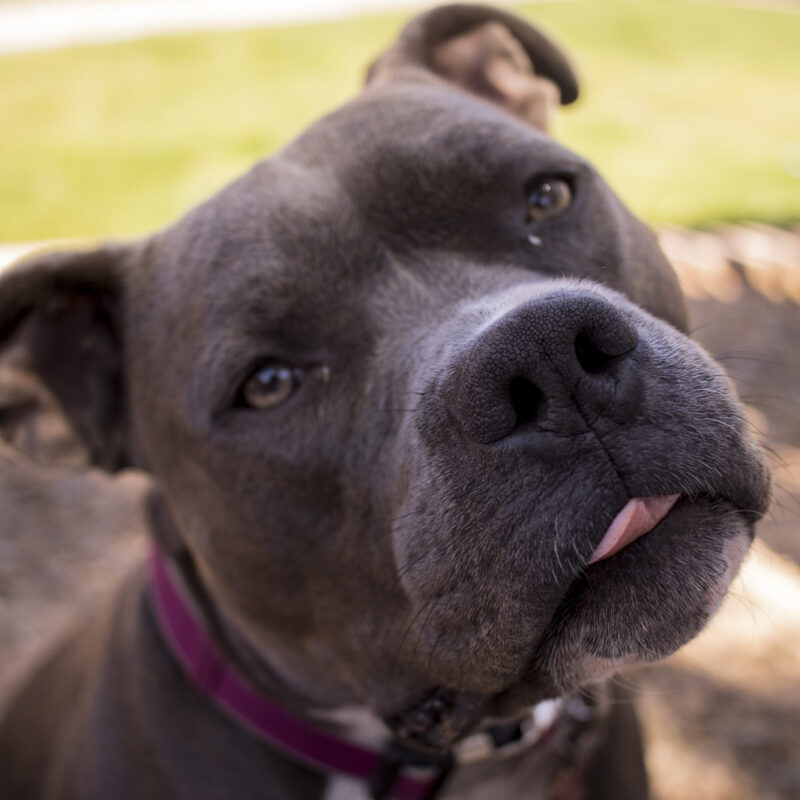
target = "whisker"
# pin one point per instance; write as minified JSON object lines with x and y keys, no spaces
{"x":786,"y":365}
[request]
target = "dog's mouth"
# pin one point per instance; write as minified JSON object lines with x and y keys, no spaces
{"x":440,"y":718}
{"x":639,"y":516}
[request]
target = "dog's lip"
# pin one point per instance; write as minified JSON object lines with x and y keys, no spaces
{"x":638,"y":517}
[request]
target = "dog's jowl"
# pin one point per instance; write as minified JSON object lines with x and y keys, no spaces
{"x":431,"y":457}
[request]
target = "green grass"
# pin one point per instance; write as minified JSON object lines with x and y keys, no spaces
{"x":690,"y":110}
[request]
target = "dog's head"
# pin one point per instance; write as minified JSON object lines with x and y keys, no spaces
{"x":394,"y":385}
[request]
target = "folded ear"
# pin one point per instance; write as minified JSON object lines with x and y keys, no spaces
{"x":61,"y":375}
{"x":487,"y":52}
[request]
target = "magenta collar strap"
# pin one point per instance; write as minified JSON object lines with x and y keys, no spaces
{"x":215,"y":677}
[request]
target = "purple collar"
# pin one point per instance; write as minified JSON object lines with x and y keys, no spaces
{"x":201,"y":659}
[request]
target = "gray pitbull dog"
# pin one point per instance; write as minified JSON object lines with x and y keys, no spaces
{"x":429,"y":449}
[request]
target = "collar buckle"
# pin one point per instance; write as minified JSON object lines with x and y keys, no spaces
{"x":398,"y":759}
{"x":502,"y":741}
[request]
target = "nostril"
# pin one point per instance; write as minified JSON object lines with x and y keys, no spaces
{"x":593,"y":359}
{"x":527,"y":400}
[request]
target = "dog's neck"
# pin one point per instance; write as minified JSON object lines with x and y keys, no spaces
{"x":274,"y":670}
{"x":348,"y":741}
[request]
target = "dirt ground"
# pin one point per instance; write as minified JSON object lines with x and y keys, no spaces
{"x":722,"y":717}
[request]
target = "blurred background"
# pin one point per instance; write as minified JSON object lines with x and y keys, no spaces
{"x":117,"y":116}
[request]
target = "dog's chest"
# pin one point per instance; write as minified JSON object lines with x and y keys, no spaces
{"x":341,"y":787}
{"x":525,"y":777}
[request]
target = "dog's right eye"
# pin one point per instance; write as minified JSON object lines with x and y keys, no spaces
{"x":269,"y":386}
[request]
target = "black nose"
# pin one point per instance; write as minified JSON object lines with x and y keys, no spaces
{"x":553,"y":364}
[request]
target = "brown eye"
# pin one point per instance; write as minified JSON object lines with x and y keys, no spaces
{"x":269,"y":386}
{"x":547,"y":198}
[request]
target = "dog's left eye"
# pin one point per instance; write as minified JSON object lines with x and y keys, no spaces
{"x":269,"y":386}
{"x":548,"y":197}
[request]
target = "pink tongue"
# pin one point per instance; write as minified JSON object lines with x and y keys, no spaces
{"x":640,"y":515}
